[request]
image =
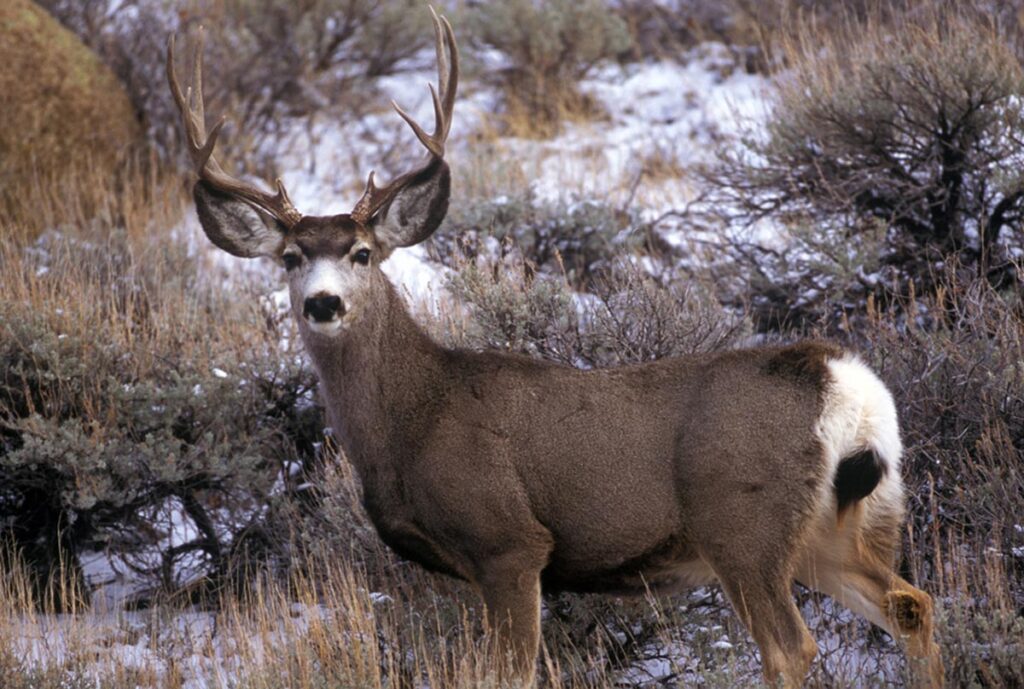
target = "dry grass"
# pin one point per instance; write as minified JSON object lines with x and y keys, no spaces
{"x":125,"y":239}
{"x":131,"y":378}
{"x":334,"y":625}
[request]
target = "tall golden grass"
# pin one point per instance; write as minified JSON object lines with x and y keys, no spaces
{"x":330,"y":626}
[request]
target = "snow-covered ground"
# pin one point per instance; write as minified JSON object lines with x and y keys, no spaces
{"x":667,"y":112}
{"x":204,"y":650}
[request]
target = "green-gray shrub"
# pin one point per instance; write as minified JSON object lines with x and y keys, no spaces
{"x":899,"y":139}
{"x":575,"y":239}
{"x":133,"y":391}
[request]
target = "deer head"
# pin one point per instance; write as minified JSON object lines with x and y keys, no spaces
{"x":331,"y":261}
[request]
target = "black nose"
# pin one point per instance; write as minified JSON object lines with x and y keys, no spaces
{"x":323,"y":307}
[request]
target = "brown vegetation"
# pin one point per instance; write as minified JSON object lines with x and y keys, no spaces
{"x":64,"y":113}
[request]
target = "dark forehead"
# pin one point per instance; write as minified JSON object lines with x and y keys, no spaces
{"x":327,"y":235}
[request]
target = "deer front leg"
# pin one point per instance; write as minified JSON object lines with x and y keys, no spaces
{"x":511,"y":593}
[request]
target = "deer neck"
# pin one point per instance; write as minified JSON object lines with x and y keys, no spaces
{"x":380,"y":379}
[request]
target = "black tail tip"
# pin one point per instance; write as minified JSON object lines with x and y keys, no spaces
{"x":856,"y":477}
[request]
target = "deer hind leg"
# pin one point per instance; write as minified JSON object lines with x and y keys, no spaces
{"x":910,"y":614}
{"x":861,"y":578}
{"x":765,"y":604}
{"x":510,"y":586}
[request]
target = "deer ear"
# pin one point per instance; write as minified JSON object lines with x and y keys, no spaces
{"x":235,"y":226}
{"x":416,"y":209}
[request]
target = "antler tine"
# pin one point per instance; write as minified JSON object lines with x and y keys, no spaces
{"x":447,"y":81}
{"x":442,"y":58}
{"x":197,"y":104}
{"x":451,"y":82}
{"x":444,"y":104}
{"x":190,"y":104}
{"x":200,"y":145}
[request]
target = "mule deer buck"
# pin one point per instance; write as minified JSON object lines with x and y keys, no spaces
{"x":751,"y":468}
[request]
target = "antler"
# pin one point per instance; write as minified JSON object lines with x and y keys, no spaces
{"x":374,"y":198}
{"x":200,"y":146}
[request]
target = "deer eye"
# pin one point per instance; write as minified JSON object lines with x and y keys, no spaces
{"x":291,"y":260}
{"x":362,"y":257}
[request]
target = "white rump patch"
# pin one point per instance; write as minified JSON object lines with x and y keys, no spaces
{"x":859,"y":414}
